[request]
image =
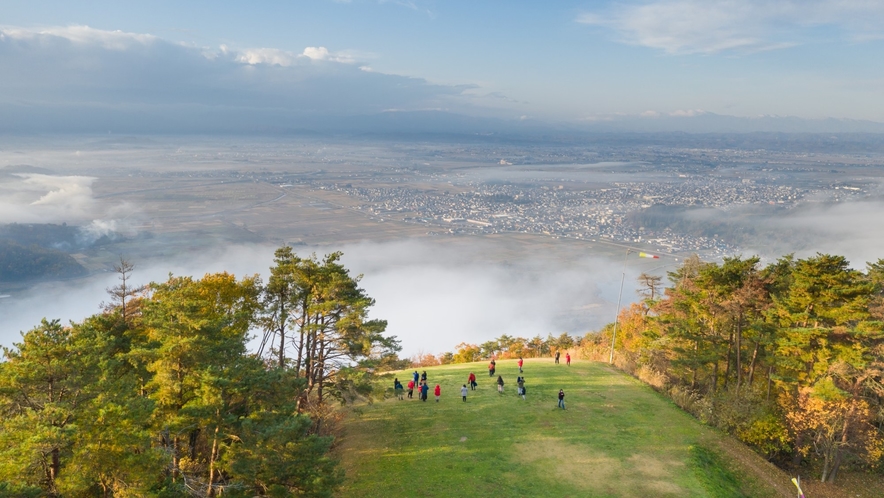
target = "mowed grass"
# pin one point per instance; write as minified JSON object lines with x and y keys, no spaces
{"x":617,"y":438}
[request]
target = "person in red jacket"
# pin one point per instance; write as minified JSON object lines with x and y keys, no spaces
{"x":521,"y":361}
{"x":437,"y":392}
{"x":472,"y":381}
{"x":568,"y":359}
{"x":410,"y":388}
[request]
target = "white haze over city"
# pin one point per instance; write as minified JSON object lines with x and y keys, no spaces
{"x":432,"y":298}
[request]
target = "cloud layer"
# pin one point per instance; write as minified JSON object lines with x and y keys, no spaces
{"x":83,"y":79}
{"x":712,"y":26}
{"x":434,"y":296}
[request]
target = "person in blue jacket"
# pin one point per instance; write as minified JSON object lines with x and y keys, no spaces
{"x":424,"y":389}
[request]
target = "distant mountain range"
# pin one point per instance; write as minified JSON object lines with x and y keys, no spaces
{"x":187,"y":118}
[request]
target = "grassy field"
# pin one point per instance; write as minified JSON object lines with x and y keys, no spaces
{"x":617,"y":438}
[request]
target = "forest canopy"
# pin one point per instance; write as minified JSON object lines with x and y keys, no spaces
{"x":159,"y":395}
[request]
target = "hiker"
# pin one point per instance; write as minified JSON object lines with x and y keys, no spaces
{"x":499,"y":384}
{"x":424,"y":389}
{"x":491,"y":367}
{"x":557,"y":357}
{"x":568,"y":359}
{"x":521,"y":361}
{"x":424,"y":376}
{"x":410,"y":388}
{"x":416,"y":378}
{"x":561,"y":399}
{"x":472,"y":381}
{"x":437,"y":392}
{"x":463,"y":392}
{"x":397,"y":386}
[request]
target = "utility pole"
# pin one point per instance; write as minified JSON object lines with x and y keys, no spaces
{"x":617,"y":315}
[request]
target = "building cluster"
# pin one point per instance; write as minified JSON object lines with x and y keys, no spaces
{"x":566,"y":211}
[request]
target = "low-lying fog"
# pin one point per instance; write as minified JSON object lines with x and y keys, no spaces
{"x":434,"y":297}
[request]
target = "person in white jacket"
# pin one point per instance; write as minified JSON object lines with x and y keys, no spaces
{"x":463,"y":392}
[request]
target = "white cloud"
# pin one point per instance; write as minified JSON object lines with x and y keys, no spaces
{"x":41,"y":198}
{"x":83,"y":79}
{"x":689,"y":113}
{"x":323,"y":54}
{"x":712,"y":26}
{"x":83,"y":35}
{"x":271,"y":56}
{"x":274,"y":56}
{"x":30,"y":198}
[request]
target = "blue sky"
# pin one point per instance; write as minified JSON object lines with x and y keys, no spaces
{"x":551,"y":61}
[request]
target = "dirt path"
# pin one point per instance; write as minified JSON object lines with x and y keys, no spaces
{"x":757,"y":466}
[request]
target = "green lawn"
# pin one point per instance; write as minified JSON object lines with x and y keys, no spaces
{"x":617,"y":438}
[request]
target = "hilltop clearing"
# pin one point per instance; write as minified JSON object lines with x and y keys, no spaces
{"x":617,"y":438}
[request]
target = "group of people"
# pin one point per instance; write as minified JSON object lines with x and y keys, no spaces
{"x":419,"y":382}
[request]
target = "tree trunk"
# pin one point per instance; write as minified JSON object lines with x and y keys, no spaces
{"x":730,"y":348}
{"x":715,"y":377}
{"x":175,"y":458}
{"x":54,"y":466}
{"x":796,"y":456}
{"x":212,"y":457}
{"x":283,"y":318}
{"x":752,"y":363}
{"x":843,"y":443}
{"x":826,"y":459}
{"x":739,"y":346}
{"x":192,"y":440}
{"x":769,"y":382}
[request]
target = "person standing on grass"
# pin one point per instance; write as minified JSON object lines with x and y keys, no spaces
{"x":410,"y":388}
{"x":521,"y":390}
{"x":500,"y":384}
{"x":521,"y":361}
{"x":472,"y":381}
{"x":491,"y":368}
{"x":416,"y":377}
{"x":561,"y":399}
{"x":397,"y":386}
{"x":437,"y":392}
{"x":557,"y":357}
{"x":424,"y":389}
{"x":568,"y":359}
{"x":424,"y":376}
{"x":463,"y":392}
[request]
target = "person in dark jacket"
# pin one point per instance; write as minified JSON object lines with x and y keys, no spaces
{"x":424,"y":389}
{"x":424,"y":376}
{"x":499,"y":384}
{"x":561,"y":399}
{"x":397,"y":386}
